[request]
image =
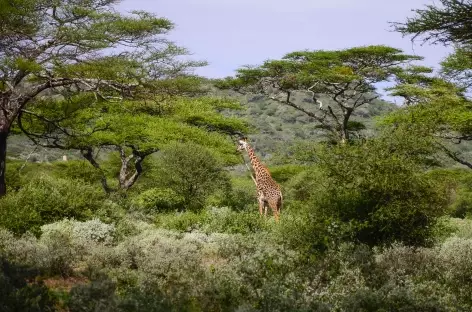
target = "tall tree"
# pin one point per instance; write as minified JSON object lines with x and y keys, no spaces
{"x":440,"y":104}
{"x":347,"y":77}
{"x":132,"y":129}
{"x":80,"y":44}
{"x":436,"y":108}
{"x":449,"y":23}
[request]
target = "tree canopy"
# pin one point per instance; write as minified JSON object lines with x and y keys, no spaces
{"x":347,"y":77}
{"x":134,"y":129}
{"x":50,"y":47}
{"x":448,"y":23}
{"x":440,"y":104}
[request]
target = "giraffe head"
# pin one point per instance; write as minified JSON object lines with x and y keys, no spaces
{"x":242,"y":143}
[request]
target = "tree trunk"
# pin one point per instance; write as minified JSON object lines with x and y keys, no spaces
{"x":87,"y":154}
{"x":344,"y":133}
{"x":3,"y":159}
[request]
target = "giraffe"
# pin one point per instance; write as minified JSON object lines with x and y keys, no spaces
{"x":268,"y":191}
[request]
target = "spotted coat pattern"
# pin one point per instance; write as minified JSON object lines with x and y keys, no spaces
{"x":268,"y":191}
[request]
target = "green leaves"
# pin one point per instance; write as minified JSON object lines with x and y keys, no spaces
{"x":82,"y":120}
{"x":457,"y":67}
{"x":446,"y":24}
{"x":347,"y":77}
{"x":376,"y":190}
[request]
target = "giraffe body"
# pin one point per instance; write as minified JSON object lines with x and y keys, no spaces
{"x":269,"y":193}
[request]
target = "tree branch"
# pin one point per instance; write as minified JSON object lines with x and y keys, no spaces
{"x":87,"y":154}
{"x":455,"y":156}
{"x":125,"y":181}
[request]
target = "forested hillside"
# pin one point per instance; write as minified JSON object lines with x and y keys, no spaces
{"x":276,"y":126}
{"x":126,"y":181}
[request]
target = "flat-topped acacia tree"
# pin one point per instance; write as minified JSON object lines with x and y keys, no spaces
{"x":348,"y":77}
{"x":85,"y":45}
{"x":132,"y":130}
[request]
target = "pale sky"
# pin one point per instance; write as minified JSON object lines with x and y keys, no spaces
{"x":232,"y":33}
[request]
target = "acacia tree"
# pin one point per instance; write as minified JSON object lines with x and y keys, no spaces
{"x":440,"y":104}
{"x":80,"y":45}
{"x":347,"y":77}
{"x":436,"y":108}
{"x":449,"y":23}
{"x":132,"y":129}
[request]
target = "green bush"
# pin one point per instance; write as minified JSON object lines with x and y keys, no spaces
{"x":225,"y":220}
{"x":98,"y":295}
{"x":460,"y":227}
{"x":46,"y":199}
{"x":60,"y":248}
{"x":158,"y":200}
{"x":284,"y":173}
{"x":240,"y":196}
{"x":77,"y":169}
{"x":192,"y":172}
{"x":377,"y":193}
{"x":214,"y":220}
{"x":460,"y":205}
{"x":303,"y":186}
{"x":156,"y":269}
{"x":19,"y":173}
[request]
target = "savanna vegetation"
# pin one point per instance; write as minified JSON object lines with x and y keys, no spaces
{"x":122,"y":189}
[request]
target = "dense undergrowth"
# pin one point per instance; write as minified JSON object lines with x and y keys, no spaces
{"x":154,"y":209}
{"x":134,"y":266}
{"x":363,"y":228}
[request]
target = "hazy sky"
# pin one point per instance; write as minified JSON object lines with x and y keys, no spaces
{"x":231,"y":33}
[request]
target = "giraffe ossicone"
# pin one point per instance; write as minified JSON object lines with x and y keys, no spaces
{"x":269,"y":193}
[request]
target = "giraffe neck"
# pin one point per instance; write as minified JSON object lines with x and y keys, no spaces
{"x":255,"y":162}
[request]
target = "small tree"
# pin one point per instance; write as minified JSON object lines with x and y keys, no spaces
{"x":84,"y":45}
{"x":440,"y":104}
{"x":347,"y":77}
{"x":377,"y":193}
{"x":192,"y":171}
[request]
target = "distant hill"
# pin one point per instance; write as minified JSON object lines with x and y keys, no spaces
{"x":277,"y":125}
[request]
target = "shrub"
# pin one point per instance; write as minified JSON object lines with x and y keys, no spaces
{"x":460,"y":227}
{"x":214,"y":220}
{"x":455,"y":264}
{"x":182,"y":221}
{"x":460,"y":205}
{"x":283,"y":173}
{"x":24,"y":250}
{"x":46,"y":199}
{"x":69,"y":241}
{"x":241,"y":195}
{"x":99,"y":295}
{"x":225,"y":220}
{"x":158,"y":200}
{"x":16,"y":294}
{"x":129,"y":226}
{"x":77,"y":170}
{"x":83,"y":234}
{"x":192,"y":172}
{"x":378,"y":194}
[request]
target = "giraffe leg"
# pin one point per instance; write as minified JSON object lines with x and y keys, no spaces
{"x":260,"y":199}
{"x":275,"y":209}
